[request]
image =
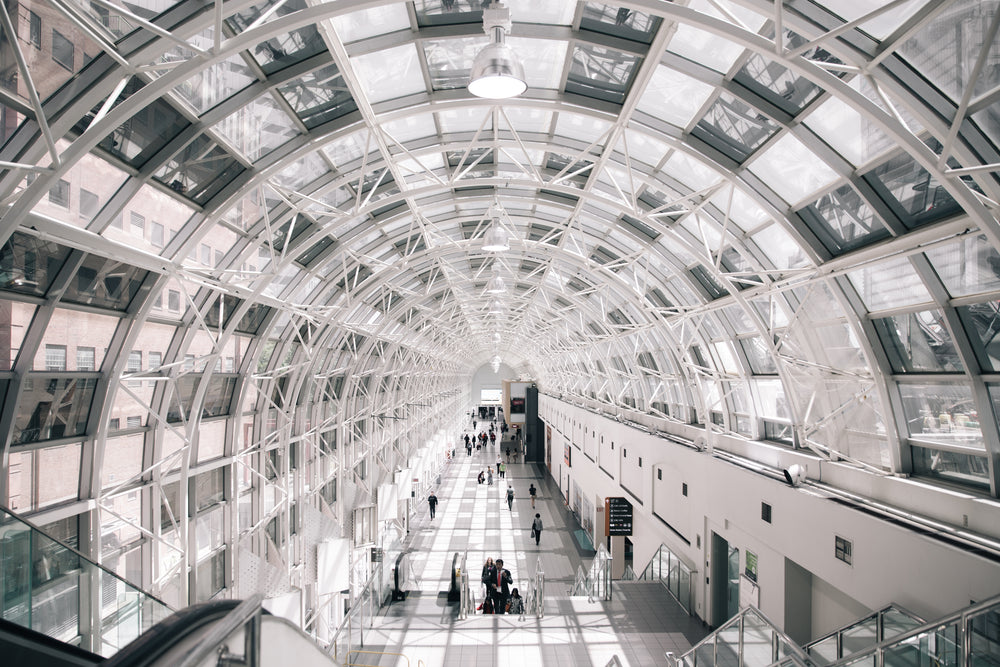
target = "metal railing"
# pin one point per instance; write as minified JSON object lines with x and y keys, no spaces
{"x":595,"y":581}
{"x":534,"y":595}
{"x":667,"y":568}
{"x":245,"y":620}
{"x":862,"y":633}
{"x":351,"y":631}
{"x":53,"y":589}
{"x":748,"y":639}
{"x":966,"y":638}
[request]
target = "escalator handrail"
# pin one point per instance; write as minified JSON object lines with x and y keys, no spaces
{"x":155,"y":642}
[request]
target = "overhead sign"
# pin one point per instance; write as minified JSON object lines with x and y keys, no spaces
{"x":618,"y":516}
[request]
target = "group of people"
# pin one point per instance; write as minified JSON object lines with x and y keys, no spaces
{"x":498,"y":596}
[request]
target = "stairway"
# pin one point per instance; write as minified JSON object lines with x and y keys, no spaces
{"x":969,"y":637}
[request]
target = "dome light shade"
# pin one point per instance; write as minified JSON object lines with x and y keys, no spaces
{"x":496,"y":285}
{"x":497,"y":73}
{"x":496,"y":308}
{"x":496,"y":238}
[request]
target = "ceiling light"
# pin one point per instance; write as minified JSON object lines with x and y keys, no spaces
{"x":497,"y":72}
{"x":495,"y":363}
{"x":496,"y":308}
{"x":496,"y":337}
{"x":496,"y":285}
{"x":496,"y":238}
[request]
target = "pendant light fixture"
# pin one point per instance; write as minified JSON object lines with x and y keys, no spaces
{"x":495,"y":239}
{"x":496,"y":284}
{"x":497,"y":72}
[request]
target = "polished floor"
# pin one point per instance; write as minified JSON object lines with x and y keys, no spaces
{"x":637,"y":626}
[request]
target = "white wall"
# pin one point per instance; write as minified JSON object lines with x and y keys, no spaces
{"x":485,"y":378}
{"x":890,"y":563}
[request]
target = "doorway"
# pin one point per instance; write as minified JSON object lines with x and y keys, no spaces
{"x":725,"y":580}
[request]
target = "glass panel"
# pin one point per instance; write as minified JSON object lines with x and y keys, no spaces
{"x":851,"y":134}
{"x":59,"y":467}
{"x":449,"y":61}
{"x":913,"y":194}
{"x":792,"y":170}
{"x":122,"y":460}
{"x":673,"y":97}
{"x":319,"y":96}
{"x":859,"y":636}
{"x":145,"y":133}
{"x":971,"y":266}
{"x":283,"y":50}
{"x":53,"y":407}
{"x":734,"y":127}
{"x":770,"y":395}
{"x":200,"y":170}
{"x":105,"y":283}
{"x":69,"y":328}
{"x":891,"y":284}
{"x":776,"y":83}
{"x":704,"y":48}
{"x":391,"y":73}
{"x":601,"y":72}
{"x":257,"y":129}
{"x":727,"y":652}
{"x":942,"y":413}
{"x":946,"y":48}
{"x":982,"y":324}
{"x":619,"y":21}
{"x":759,"y":356}
{"x":29,"y":265}
{"x":918,"y":343}
{"x":757,"y":634}
{"x":843,"y":221}
{"x":370,"y":22}
{"x":219,"y":396}
{"x":16,"y":317}
{"x":216,"y":84}
{"x":825,"y":649}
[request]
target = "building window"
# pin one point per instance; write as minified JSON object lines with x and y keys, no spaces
{"x":134,"y":365}
{"x":842,"y":549}
{"x":35,"y":29}
{"x":133,"y":422}
{"x":659,"y":474}
{"x":206,"y":255}
{"x":684,"y":488}
{"x":138,"y":225}
{"x":89,"y":204}
{"x":174,"y":300}
{"x":155,"y":360}
{"x":85,"y":359}
{"x":188,"y":362}
{"x":765,"y":512}
{"x":158,"y":301}
{"x":62,"y":50}
{"x":59,"y":193}
{"x":156,"y":234}
{"x":55,"y":357}
{"x":229,"y":365}
{"x":114,"y":424}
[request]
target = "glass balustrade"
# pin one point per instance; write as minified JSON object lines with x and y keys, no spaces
{"x":51,"y":588}
{"x":667,"y":568}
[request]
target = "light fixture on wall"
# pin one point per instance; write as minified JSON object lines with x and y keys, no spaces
{"x":497,"y":72}
{"x":495,"y":363}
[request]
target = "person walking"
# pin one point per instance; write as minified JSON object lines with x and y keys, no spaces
{"x":489,"y":477}
{"x":432,"y":503}
{"x":515,"y":605}
{"x":510,"y":498}
{"x":499,"y":461}
{"x":531,"y":492}
{"x":503,"y":470}
{"x":501,"y":587}
{"x":536,"y":528}
{"x":493,"y":439}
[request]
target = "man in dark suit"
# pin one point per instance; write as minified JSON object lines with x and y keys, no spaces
{"x":500,"y":587}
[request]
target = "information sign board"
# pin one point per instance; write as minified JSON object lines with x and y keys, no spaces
{"x":618,"y":516}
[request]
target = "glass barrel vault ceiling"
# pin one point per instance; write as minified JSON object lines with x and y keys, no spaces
{"x":780,"y":221}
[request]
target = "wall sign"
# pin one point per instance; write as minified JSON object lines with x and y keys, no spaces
{"x":618,"y":516}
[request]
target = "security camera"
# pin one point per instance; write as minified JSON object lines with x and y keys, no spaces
{"x":794,"y":474}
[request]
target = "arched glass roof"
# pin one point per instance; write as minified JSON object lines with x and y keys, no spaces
{"x":231,"y":226}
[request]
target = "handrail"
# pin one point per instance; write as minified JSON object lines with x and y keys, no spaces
{"x":596,"y":580}
{"x":356,"y":609}
{"x":676,"y":575}
{"x":834,"y":641}
{"x":782,"y":647}
{"x":246,"y":615}
{"x":961,"y":619}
